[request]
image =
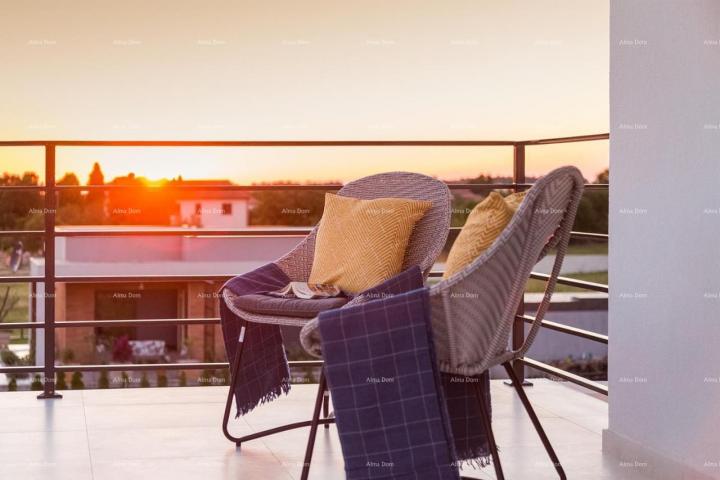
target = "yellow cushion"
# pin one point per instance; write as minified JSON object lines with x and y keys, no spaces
{"x":361,"y":243}
{"x":484,"y":224}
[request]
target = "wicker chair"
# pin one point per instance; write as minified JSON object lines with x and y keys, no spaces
{"x":473,"y":311}
{"x":426,"y":242}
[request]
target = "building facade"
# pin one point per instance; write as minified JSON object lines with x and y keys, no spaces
{"x":193,"y":254}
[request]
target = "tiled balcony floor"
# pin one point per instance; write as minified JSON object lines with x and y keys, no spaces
{"x":174,"y":433}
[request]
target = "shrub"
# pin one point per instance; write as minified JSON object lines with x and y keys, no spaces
{"x":144,"y":383}
{"x":588,"y":367}
{"x":183,"y":379}
{"x":9,"y":358}
{"x":76,"y":382}
{"x":12,"y":385}
{"x":206,"y":378}
{"x":125,"y":380}
{"x":67,"y":355}
{"x":36,"y":383}
{"x":104,"y":380}
{"x":60,"y":381}
{"x":162,"y":380}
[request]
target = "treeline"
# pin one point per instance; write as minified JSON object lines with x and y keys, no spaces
{"x":288,"y":207}
{"x":592,"y":213}
{"x":149,"y":205}
{"x":25,"y":209}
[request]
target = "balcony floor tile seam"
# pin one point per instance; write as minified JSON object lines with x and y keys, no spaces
{"x":148,"y":403}
{"x":575,"y":421}
{"x":87,"y":433}
{"x":162,"y":428}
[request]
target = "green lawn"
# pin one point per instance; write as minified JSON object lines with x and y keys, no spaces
{"x":589,"y":248}
{"x":538,"y":286}
{"x":19,"y":313}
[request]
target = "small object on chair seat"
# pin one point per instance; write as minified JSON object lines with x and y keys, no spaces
{"x":264,"y":304}
{"x":307,"y":291}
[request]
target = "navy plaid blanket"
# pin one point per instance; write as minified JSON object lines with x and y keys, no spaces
{"x":264,"y":373}
{"x":403,"y":282}
{"x":397,"y":417}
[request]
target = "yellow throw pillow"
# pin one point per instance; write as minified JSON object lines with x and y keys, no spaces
{"x":484,"y":224}
{"x":361,"y":243}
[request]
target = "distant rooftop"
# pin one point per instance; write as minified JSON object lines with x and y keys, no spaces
{"x":160,"y":228}
{"x":200,"y":194}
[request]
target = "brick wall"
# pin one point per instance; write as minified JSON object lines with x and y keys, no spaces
{"x":77,"y":302}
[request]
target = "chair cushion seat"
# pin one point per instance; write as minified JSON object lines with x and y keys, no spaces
{"x":287,"y":307}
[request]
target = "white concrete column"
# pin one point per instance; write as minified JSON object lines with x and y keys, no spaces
{"x":664,"y":323}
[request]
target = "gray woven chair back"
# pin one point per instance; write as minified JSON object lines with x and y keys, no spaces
{"x":428,"y":237}
{"x":473,"y":311}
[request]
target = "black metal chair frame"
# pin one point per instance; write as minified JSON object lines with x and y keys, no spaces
{"x":323,"y":394}
{"x":322,"y":404}
{"x":322,"y":387}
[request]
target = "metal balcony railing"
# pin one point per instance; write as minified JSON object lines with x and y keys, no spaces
{"x":50,"y":190}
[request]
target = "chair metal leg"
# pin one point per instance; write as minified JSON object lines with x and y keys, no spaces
{"x":326,"y":406}
{"x":233,"y":384}
{"x":536,"y":422}
{"x":231,"y":394}
{"x":485,"y":416}
{"x":322,"y":387}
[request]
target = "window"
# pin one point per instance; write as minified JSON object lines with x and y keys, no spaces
{"x":133,"y":303}
{"x":227,"y":208}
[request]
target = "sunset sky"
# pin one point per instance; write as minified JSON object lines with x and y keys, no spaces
{"x":242,"y":70}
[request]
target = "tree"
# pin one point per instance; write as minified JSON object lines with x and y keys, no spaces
{"x":76,"y":382}
{"x":592,"y":215}
{"x":10,"y":358}
{"x":7,"y":303}
{"x":603,"y":177}
{"x":71,"y":206}
{"x":461,"y":210}
{"x":60,"y":383}
{"x":69,"y":197}
{"x":19,"y":207}
{"x":483,"y":179}
{"x":95,"y":199}
{"x":96,"y":178}
{"x":288,"y":207}
{"x":104,"y":380}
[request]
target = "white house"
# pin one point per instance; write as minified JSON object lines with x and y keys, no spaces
{"x":212,"y":208}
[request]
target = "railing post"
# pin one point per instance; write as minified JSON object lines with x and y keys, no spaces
{"x":518,"y":332}
{"x":33,"y":319}
{"x":49,"y":280}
